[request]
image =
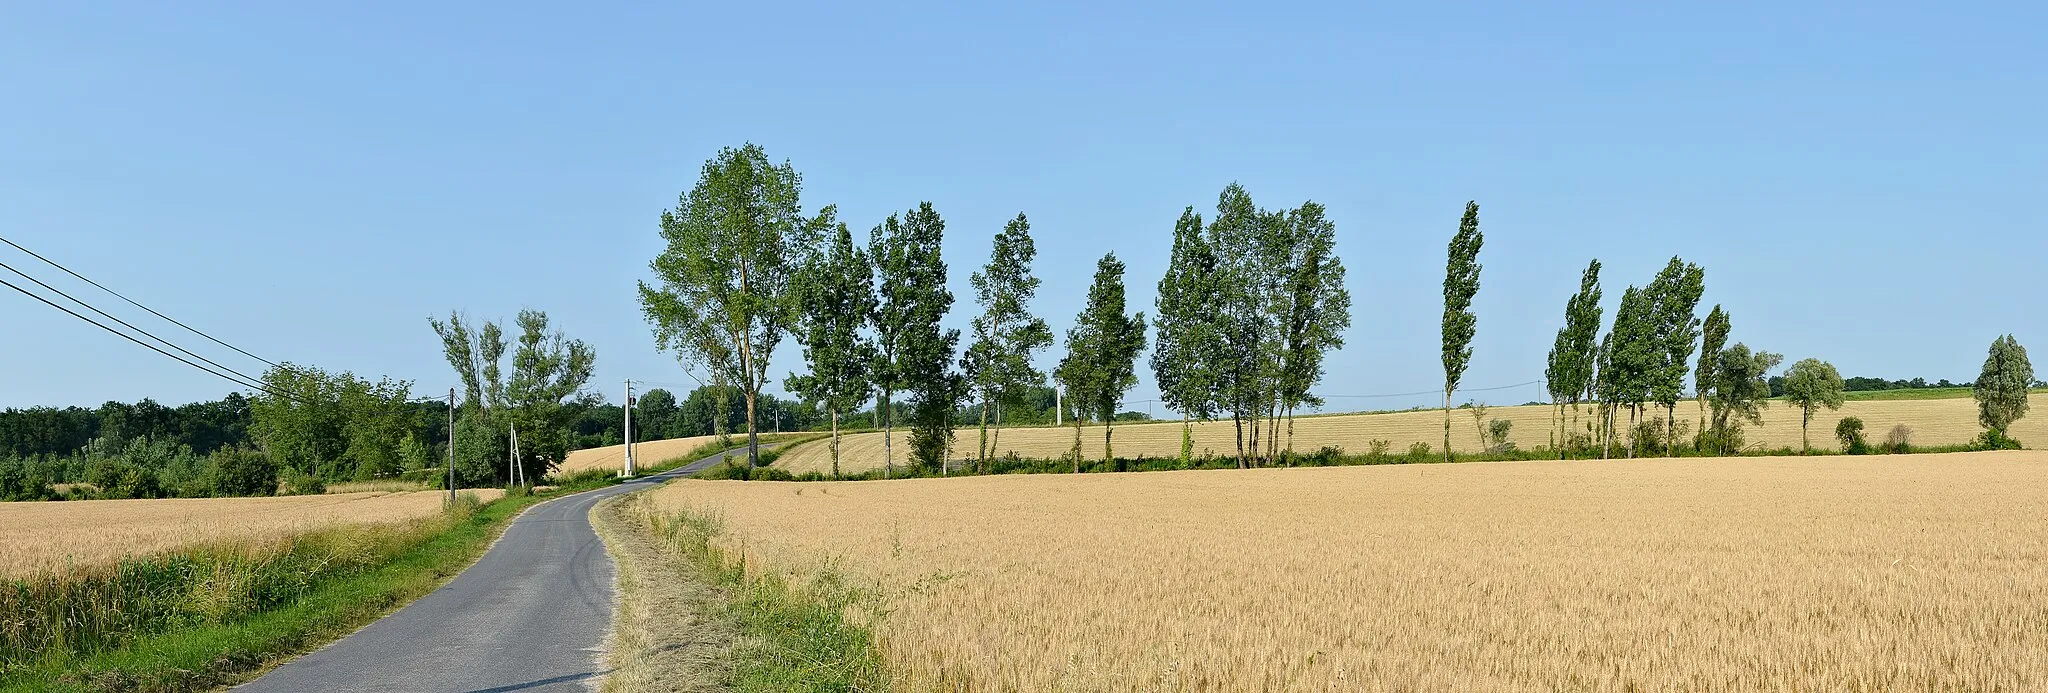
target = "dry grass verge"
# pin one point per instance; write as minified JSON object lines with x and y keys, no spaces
{"x":665,"y":637}
{"x":1904,"y":572}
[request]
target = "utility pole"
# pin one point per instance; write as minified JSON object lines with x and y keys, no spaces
{"x":517,"y":474}
{"x":1059,"y":405}
{"x":451,"y":446}
{"x":629,"y":428}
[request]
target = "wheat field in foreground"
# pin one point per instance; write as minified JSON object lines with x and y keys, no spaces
{"x":60,"y":534}
{"x":1934,"y":422}
{"x":1903,"y":572}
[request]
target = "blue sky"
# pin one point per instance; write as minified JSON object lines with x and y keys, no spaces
{"x":312,"y":183}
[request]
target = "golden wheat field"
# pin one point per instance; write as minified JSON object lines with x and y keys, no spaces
{"x":1904,"y":572}
{"x":1934,"y":422}
{"x":60,"y":534}
{"x":614,"y":457}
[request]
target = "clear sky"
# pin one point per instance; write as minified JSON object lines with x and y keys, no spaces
{"x":1861,"y":185}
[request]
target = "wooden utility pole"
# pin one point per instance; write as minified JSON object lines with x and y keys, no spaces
{"x":451,"y":446}
{"x":629,"y":428}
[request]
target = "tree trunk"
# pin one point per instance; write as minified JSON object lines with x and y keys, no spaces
{"x":753,"y":428}
{"x":1805,"y":445}
{"x":981,"y":449}
{"x":1447,"y":422}
{"x":1237,"y":420}
{"x":1077,"y":441}
{"x":1108,"y":453}
{"x":835,"y":443}
{"x":1187,"y":441}
{"x":1671,"y":430}
{"x":1700,"y":436}
{"x":888,"y":415}
{"x":995,"y":439}
{"x":1633,"y":411}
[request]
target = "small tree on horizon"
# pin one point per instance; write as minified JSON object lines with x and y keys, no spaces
{"x":1461,"y":283}
{"x":1574,"y":356}
{"x":1186,"y":323}
{"x":1740,"y":392}
{"x":2001,"y":387}
{"x":1676,"y":295}
{"x":1713,"y":338}
{"x":1810,"y":385}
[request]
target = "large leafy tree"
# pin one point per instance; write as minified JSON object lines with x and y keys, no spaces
{"x":1810,"y":385}
{"x":913,"y":352}
{"x":1317,"y":307}
{"x":735,"y":243}
{"x":1184,"y":360}
{"x":1631,"y":358}
{"x":1102,"y":353}
{"x":2001,"y":387}
{"x":1740,"y":393}
{"x":1006,"y":335}
{"x":1676,"y":294}
{"x":837,"y":295}
{"x":549,"y":370}
{"x":1573,"y":355}
{"x":1245,"y":364}
{"x":1461,"y":283}
{"x":1714,"y":336}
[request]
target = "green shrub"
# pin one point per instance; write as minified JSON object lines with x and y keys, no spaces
{"x":241,"y":472}
{"x":1418,"y":451}
{"x":1994,"y":439}
{"x":1850,"y":432}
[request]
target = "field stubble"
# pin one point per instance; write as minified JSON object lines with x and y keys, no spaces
{"x":1919,"y":572}
{"x":1949,"y":421}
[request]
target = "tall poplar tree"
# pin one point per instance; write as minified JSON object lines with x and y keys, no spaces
{"x":1633,"y":356}
{"x":1006,"y":335}
{"x":1713,"y":337}
{"x":1676,"y":292}
{"x":913,"y":353}
{"x":735,"y":242}
{"x":1461,"y":283}
{"x":837,"y":296}
{"x":1317,"y":308}
{"x":1246,"y":360}
{"x":1184,"y":359}
{"x":1102,"y":353}
{"x":1573,"y":357}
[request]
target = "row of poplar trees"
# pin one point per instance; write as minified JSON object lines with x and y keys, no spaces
{"x":1641,"y":365}
{"x":1250,"y":305}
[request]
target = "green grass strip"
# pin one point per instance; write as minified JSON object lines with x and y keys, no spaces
{"x":209,"y":655}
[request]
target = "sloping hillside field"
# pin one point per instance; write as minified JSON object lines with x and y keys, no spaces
{"x":1902,"y":572}
{"x":1934,"y":422}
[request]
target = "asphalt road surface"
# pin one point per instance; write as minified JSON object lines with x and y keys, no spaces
{"x":528,"y":617}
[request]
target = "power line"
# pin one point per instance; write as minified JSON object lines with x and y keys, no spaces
{"x":131,"y":302}
{"x":151,"y":347}
{"x":124,"y":323}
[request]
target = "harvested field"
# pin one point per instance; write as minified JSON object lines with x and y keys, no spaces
{"x":651,"y":452}
{"x":1934,"y":422}
{"x":59,"y":535}
{"x":1906,"y":572}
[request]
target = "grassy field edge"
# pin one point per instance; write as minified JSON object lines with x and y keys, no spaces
{"x":212,"y":655}
{"x":785,"y":636}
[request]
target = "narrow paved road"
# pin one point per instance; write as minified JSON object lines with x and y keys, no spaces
{"x":529,"y":616}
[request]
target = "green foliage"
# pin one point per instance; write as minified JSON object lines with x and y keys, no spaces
{"x":914,"y":352}
{"x":1994,"y":439}
{"x":547,"y":369}
{"x":242,"y":472}
{"x":836,"y":295}
{"x":1102,"y":348}
{"x":2001,"y":389}
{"x":1675,"y":297}
{"x":1461,"y":283}
{"x":1185,"y":358}
{"x":735,"y":244}
{"x":1811,"y":384}
{"x":1574,"y":355}
{"x":1850,"y":432}
{"x":1316,"y":308}
{"x":1739,"y":395}
{"x":1006,"y":335}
